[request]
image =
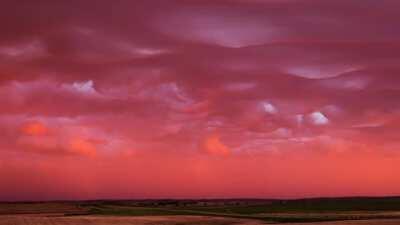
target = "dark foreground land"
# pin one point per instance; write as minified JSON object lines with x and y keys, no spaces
{"x":329,"y":211}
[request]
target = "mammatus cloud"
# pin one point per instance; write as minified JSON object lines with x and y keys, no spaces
{"x":199,"y":93}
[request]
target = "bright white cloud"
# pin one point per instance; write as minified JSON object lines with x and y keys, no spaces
{"x":269,"y":108}
{"x":318,"y":118}
{"x":84,"y":87}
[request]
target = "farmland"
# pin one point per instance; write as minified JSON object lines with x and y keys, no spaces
{"x":337,"y":211}
{"x":157,"y":220}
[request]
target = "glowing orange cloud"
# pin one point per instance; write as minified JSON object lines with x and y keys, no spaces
{"x":34,"y":129}
{"x":83,"y":147}
{"x":214,"y":146}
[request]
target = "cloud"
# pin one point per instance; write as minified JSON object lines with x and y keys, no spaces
{"x":221,"y":27}
{"x":84,"y":87}
{"x":240,"y":86}
{"x":49,"y":136}
{"x":82,"y":147}
{"x":213,"y":146}
{"x":34,"y":129}
{"x":23,"y":51}
{"x":318,"y":118}
{"x":269,"y":108}
{"x":183,"y":81}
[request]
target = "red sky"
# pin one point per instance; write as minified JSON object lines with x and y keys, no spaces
{"x":199,"y":98}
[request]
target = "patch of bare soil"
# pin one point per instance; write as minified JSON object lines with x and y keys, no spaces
{"x":355,"y":222}
{"x":158,"y":220}
{"x":107,"y":220}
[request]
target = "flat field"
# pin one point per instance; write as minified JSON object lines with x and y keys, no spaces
{"x":42,"y":208}
{"x":343,"y":211}
{"x":116,"y":220}
{"x":159,"y":220}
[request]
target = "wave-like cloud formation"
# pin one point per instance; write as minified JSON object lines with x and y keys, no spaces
{"x":223,"y":98}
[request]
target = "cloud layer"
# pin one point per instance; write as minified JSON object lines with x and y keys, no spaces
{"x":191,"y":91}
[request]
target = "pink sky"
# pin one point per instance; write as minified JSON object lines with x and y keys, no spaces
{"x":199,"y":99}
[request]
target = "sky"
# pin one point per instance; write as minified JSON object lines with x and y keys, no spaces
{"x":199,"y":99}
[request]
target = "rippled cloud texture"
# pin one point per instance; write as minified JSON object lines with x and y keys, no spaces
{"x":193,"y":99}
